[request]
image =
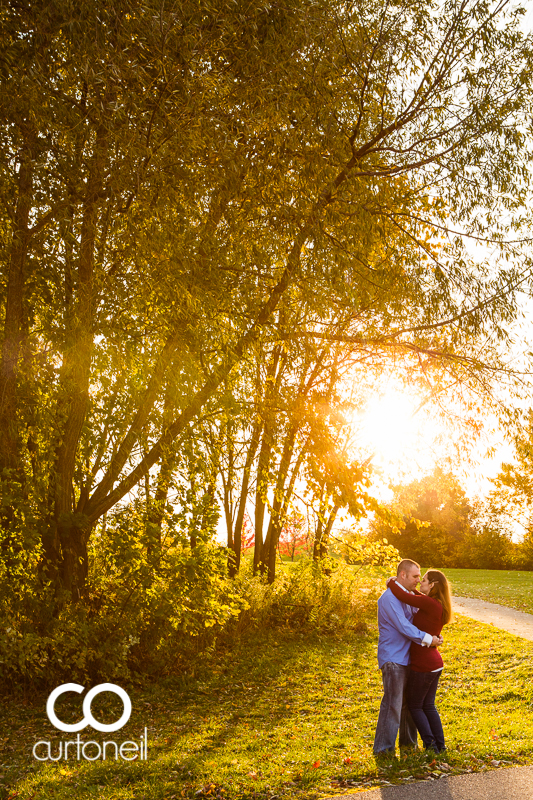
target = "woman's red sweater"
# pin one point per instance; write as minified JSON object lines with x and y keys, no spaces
{"x":428,"y":618}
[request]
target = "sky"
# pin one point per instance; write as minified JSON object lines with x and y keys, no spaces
{"x":408,"y":442}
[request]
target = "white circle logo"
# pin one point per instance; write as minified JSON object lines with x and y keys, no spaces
{"x":88,"y":718}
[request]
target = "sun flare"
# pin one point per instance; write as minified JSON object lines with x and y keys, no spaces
{"x":396,"y":430}
{"x":406,"y":437}
{"x":389,"y":426}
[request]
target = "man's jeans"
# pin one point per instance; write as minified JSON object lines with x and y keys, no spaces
{"x":394,"y":715}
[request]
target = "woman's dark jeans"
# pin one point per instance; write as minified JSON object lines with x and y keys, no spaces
{"x":421,"y":691}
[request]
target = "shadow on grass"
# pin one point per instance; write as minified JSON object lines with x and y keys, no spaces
{"x":289,"y":677}
{"x":251,"y":700}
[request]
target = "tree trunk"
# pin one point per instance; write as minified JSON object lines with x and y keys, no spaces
{"x":260,"y":496}
{"x":69,"y":532}
{"x":281,"y":497}
{"x":234,"y":561}
{"x":13,"y":338}
{"x":272,"y":380}
{"x":317,"y":544}
{"x":73,"y":536}
{"x":228,"y":511}
{"x":283,"y":515}
{"x":321,"y":543}
{"x":280,"y":505}
{"x":156,"y":510}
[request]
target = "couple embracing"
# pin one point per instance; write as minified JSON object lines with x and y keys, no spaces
{"x":410,"y":624}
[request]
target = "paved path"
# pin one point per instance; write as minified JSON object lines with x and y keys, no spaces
{"x":515,"y":783}
{"x":503,"y":617}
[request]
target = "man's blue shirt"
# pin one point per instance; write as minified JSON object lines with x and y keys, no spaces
{"x":396,"y":631}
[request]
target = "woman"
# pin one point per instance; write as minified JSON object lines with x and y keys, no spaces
{"x":434,"y":605}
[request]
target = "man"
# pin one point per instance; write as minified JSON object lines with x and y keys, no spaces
{"x":396,"y":632}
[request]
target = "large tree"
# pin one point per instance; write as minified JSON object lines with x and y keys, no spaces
{"x":434,"y":520}
{"x":178,"y":179}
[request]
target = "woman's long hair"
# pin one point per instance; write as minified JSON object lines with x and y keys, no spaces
{"x":441,"y":591}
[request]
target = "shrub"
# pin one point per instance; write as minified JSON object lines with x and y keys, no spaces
{"x":303,"y":596}
{"x":140,"y":614}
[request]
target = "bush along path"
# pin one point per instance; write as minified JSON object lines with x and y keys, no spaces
{"x":281,"y":714}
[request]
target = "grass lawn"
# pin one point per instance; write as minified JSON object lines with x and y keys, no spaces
{"x":514,"y":589}
{"x":283,"y":715}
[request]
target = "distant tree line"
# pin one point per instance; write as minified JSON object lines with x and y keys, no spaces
{"x":435,"y":523}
